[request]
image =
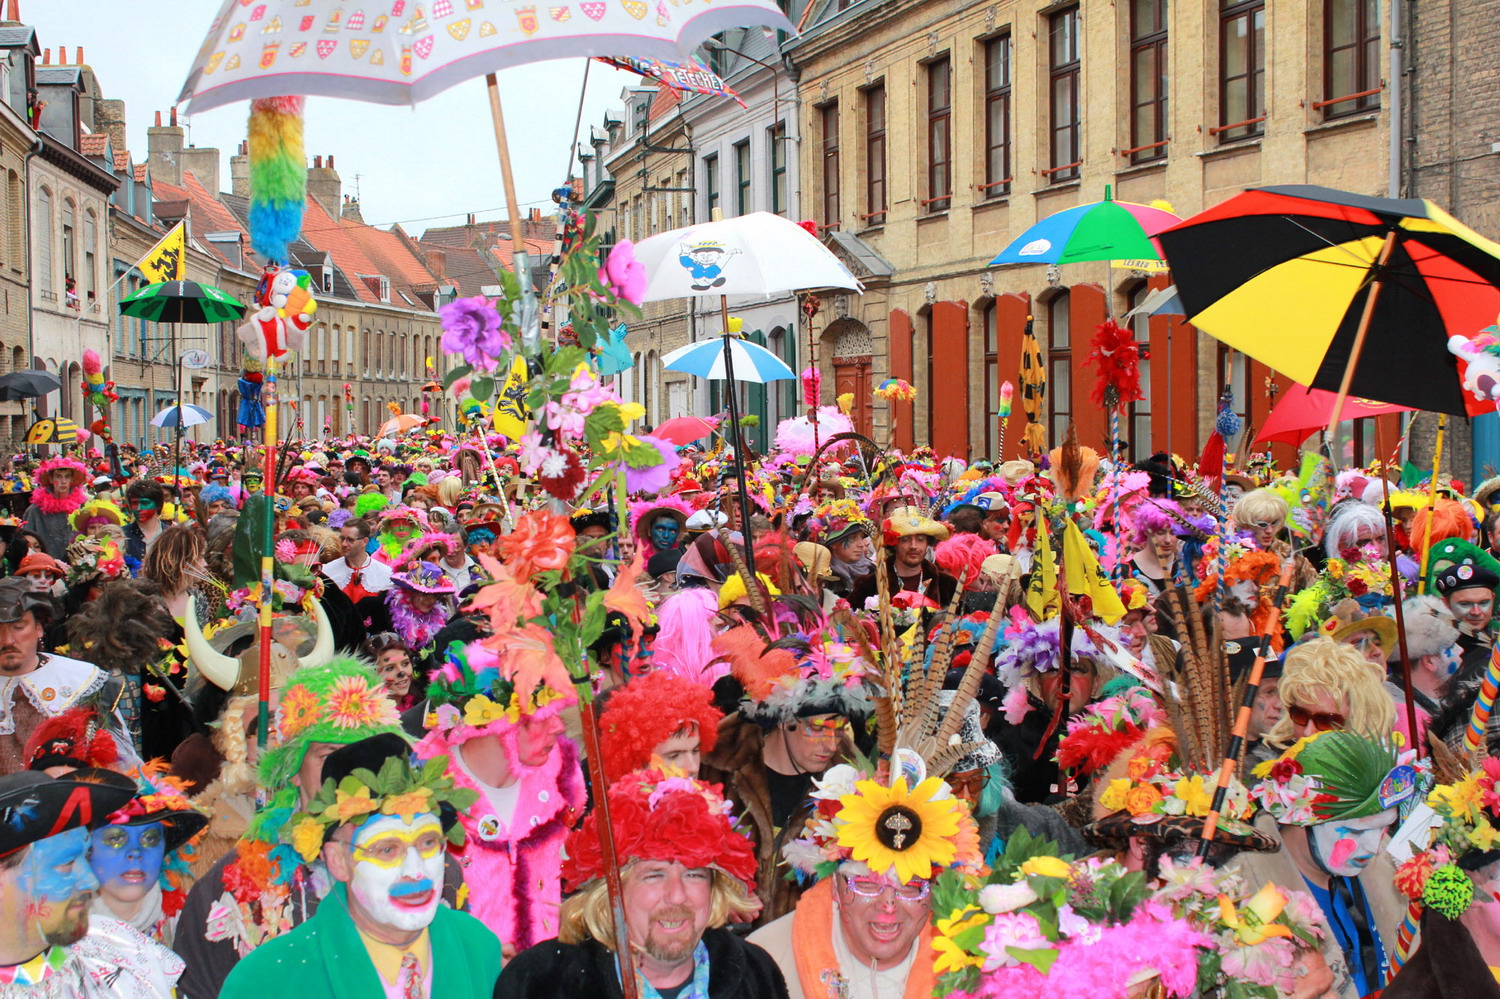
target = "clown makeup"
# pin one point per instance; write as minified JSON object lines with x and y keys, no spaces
{"x":664,"y":533}
{"x":397,"y":875}
{"x":1345,"y":847}
{"x":59,"y":884}
{"x":394,"y":667}
{"x":880,"y":918}
{"x":127,"y":860}
{"x":1448,"y":661}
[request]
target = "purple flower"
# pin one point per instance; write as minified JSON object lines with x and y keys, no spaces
{"x":623,"y":274}
{"x":471,"y":327}
{"x":654,"y":479}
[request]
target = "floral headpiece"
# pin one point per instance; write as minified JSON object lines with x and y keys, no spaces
{"x":837,"y":518}
{"x":905,"y":831}
{"x":1104,"y":730}
{"x":163,"y":799}
{"x":798,"y":675}
{"x":1152,"y":792}
{"x":1034,"y":648}
{"x":1337,"y":775}
{"x":659,"y":817}
{"x":398,"y":789}
{"x":341,"y":702}
{"x":1468,"y":839}
{"x":471,"y":696}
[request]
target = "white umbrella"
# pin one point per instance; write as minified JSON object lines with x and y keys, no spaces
{"x":755,"y":254}
{"x":181,"y":416}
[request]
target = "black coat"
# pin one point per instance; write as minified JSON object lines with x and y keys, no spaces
{"x":1446,"y":965}
{"x":737,"y":970}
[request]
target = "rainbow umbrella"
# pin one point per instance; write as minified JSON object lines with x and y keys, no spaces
{"x":1100,"y":230}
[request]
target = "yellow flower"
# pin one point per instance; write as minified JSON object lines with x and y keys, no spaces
{"x":481,"y":710}
{"x":1256,"y":919}
{"x":409,"y":805}
{"x":307,"y":838}
{"x":631,"y":411}
{"x":1460,"y":800}
{"x":1193,"y":795}
{"x":1113,"y":798}
{"x":950,"y":956}
{"x":1047,"y":867}
{"x":350,"y":806}
{"x":892,"y":829}
{"x":1485,"y":837}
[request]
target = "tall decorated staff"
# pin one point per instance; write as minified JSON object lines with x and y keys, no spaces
{"x":99,"y":392}
{"x":1033,"y":390}
{"x":1116,"y":356}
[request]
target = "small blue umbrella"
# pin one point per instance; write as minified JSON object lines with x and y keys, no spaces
{"x":181,"y":416}
{"x":614,"y":355}
{"x":751,"y":361}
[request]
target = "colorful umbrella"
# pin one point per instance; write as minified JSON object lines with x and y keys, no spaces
{"x":182,"y":302}
{"x":181,"y":416}
{"x":1100,"y":230}
{"x":52,"y":430}
{"x":708,"y":359}
{"x":755,"y":254}
{"x":681,"y":430}
{"x":1284,"y":274}
{"x":1302,"y":411}
{"x":401,"y":424}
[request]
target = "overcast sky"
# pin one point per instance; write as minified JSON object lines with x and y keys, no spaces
{"x":413,"y":165}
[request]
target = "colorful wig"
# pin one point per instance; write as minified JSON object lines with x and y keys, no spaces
{"x":648,"y":711}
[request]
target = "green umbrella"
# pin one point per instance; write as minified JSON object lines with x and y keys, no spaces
{"x":181,"y":302}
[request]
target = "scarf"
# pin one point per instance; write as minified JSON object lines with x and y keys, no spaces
{"x":148,"y":917}
{"x":416,"y":630}
{"x":818,"y":967}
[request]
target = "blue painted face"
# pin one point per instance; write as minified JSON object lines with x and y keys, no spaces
{"x":664,"y":533}
{"x":57,"y":868}
{"x":127,"y":860}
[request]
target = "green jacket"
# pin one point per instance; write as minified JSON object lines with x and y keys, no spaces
{"x":325,"y":958}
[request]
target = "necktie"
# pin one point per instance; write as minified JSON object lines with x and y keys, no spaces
{"x":411,"y":977}
{"x":1352,"y":895}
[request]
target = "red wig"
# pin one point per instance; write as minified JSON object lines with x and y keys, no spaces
{"x":962,"y":555}
{"x":1449,"y":520}
{"x":648,"y":711}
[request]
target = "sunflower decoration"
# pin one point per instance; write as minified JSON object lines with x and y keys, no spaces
{"x":911,"y":832}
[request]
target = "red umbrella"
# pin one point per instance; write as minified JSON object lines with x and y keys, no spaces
{"x":681,"y":430}
{"x":1303,"y":411}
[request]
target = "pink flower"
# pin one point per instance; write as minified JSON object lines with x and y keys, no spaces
{"x":1011,"y":929}
{"x":624,"y":275}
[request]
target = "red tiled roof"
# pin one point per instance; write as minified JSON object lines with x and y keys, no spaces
{"x":361,"y":250}
{"x":140,"y":173}
{"x":122,"y":161}
{"x":468,"y":269}
{"x":210,"y":215}
{"x":93,"y":144}
{"x":665,"y":100}
{"x":485,"y":233}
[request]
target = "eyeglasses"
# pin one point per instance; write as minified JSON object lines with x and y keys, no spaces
{"x":1323,"y":721}
{"x":914,"y":890}
{"x":975,"y":782}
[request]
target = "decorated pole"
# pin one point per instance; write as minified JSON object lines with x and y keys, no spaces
{"x":1003,"y":410}
{"x":267,"y":555}
{"x":1484,"y":705}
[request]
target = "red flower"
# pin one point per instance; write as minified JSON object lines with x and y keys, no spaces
{"x":541,"y":541}
{"x":1357,"y":587}
{"x":1284,"y":770}
{"x":1350,"y":554}
{"x":810,"y":226}
{"x":154,"y":694}
{"x":565,"y":484}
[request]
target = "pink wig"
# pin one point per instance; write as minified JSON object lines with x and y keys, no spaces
{"x":1153,"y":516}
{"x":684,"y":645}
{"x":962,"y":555}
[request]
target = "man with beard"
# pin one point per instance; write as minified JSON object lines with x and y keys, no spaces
{"x":909,"y":535}
{"x":36,"y":685}
{"x":506,"y":745}
{"x":684,"y":873}
{"x":49,"y":945}
{"x":382,"y":929}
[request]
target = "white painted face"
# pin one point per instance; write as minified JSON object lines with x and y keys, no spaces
{"x":1345,"y":847}
{"x":398,"y":870}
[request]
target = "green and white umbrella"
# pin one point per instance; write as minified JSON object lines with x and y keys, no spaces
{"x":182,"y":302}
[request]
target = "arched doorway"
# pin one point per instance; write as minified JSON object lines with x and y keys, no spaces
{"x":852,"y":350}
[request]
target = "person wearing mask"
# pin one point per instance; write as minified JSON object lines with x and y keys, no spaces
{"x":145,"y":500}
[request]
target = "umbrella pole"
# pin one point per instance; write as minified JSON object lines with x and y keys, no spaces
{"x":267,"y":554}
{"x":1437,"y":461}
{"x":530,"y":328}
{"x":1359,"y":336}
{"x":177,"y":430}
{"x":1390,"y":554}
{"x":738,"y":439}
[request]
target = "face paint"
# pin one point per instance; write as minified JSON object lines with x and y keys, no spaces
{"x":127,"y":860}
{"x":664,"y":533}
{"x":398,"y":870}
{"x":59,"y":885}
{"x":1345,"y":847}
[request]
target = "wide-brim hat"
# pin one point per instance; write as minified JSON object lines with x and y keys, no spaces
{"x":816,"y":560}
{"x":1341,"y":629}
{"x":178,"y":824}
{"x":34,"y":806}
{"x":17,"y":597}
{"x":910,"y":521}
{"x":1115,"y":828}
{"x":424,"y":577}
{"x":650,"y":514}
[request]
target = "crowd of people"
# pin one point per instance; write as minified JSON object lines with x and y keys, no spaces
{"x":888,"y":726}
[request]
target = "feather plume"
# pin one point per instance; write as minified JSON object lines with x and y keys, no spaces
{"x":1116,"y":355}
{"x":1074,"y":467}
{"x":757,"y":667}
{"x":973,"y":673}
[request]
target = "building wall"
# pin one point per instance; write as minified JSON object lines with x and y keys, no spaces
{"x":943,"y":291}
{"x":15,"y":268}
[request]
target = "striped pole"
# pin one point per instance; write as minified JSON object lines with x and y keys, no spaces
{"x":1480,"y":716}
{"x":268,"y":552}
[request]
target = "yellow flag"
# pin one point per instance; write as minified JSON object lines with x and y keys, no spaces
{"x":1041,"y":595}
{"x":510,"y":404}
{"x":1085,"y":577}
{"x":167,"y":260}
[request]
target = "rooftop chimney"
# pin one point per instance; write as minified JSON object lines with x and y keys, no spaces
{"x":317,"y":162}
{"x":164,"y":150}
{"x":46,"y":57}
{"x":80,"y":55}
{"x":158,"y":119}
{"x":62,"y":55}
{"x":350,"y":209}
{"x":330,"y":161}
{"x":324,"y":186}
{"x":174,"y":115}
{"x":15,"y":11}
{"x":239,"y":171}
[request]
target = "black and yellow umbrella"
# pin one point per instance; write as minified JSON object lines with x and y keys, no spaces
{"x":1344,"y":292}
{"x":52,"y":430}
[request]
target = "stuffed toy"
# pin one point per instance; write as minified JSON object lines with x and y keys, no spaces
{"x":1481,"y":357}
{"x":280,"y":325}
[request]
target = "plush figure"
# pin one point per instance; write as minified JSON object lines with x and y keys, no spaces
{"x":1481,"y":357}
{"x":280,"y":325}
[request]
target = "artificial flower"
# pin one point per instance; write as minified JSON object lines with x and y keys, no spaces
{"x":540,"y":542}
{"x":471,"y":327}
{"x":1195,"y":798}
{"x":299,"y":709}
{"x":348,"y":806}
{"x":625,"y":597}
{"x":409,"y":805}
{"x":995,"y":899}
{"x":307,"y":838}
{"x":1255,"y":920}
{"x":1047,"y":867}
{"x":623,"y":274}
{"x":1142,"y":799}
{"x":526,"y":657}
{"x":353,"y":704}
{"x":1011,"y":931}
{"x":950,"y":956}
{"x":893,"y":830}
{"x":480,"y":711}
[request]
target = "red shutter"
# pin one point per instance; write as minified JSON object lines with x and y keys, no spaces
{"x":900,"y":353}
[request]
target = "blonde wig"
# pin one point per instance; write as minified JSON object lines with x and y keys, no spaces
{"x":1325,"y":666}
{"x":1261,"y":505}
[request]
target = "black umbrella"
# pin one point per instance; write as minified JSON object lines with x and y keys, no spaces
{"x":27,"y":384}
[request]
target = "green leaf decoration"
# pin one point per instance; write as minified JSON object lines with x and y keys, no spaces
{"x":454,"y":374}
{"x":482,"y":388}
{"x":1040,"y":959}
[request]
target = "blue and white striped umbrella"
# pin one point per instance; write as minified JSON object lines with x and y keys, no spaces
{"x":752,"y":362}
{"x":191,"y":416}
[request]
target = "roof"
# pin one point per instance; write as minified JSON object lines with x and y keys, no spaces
{"x":302,"y":253}
{"x":93,"y":144}
{"x":140,"y":173}
{"x":861,"y":252}
{"x":467,"y":269}
{"x":57,"y":75}
{"x":210,"y":215}
{"x":364,"y":251}
{"x":484,"y":234}
{"x":122,"y":161}
{"x":665,"y":100}
{"x":17,"y":35}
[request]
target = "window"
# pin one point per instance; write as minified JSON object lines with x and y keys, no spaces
{"x":939,"y":136}
{"x":1059,"y":367}
{"x":89,"y":286}
{"x":875,"y":192}
{"x":828,"y":116}
{"x":776,"y":135}
{"x":1234,"y":377}
{"x":1062,"y":51}
{"x":1148,"y":80}
{"x":992,"y":382}
{"x":711,"y":182}
{"x":742,"y":178}
{"x":997,"y":175}
{"x":17,"y":220}
{"x":47,"y":279}
{"x":1351,"y":57}
{"x":69,"y":249}
{"x":1137,"y":429}
{"x":1242,"y":69}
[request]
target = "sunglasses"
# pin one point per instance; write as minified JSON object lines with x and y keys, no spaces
{"x":1323,"y":721}
{"x":913,"y":891}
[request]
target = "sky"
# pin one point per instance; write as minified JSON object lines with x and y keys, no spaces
{"x":422,"y":167}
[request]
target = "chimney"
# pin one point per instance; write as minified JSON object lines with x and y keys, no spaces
{"x":164,"y":150}
{"x":471,"y":218}
{"x":351,"y":210}
{"x":62,"y":55}
{"x":203,"y":162}
{"x":239,"y":171}
{"x":324,"y":186}
{"x":13,"y":14}
{"x":46,"y":57}
{"x":79,"y":60}
{"x":109,"y":118}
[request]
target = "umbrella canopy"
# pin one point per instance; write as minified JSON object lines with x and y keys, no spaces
{"x":1302,"y":411}
{"x":614,"y":353}
{"x":28,"y":384}
{"x":401,"y":424}
{"x":182,"y":302}
{"x":755,"y":254}
{"x":52,"y":430}
{"x":681,"y":430}
{"x":1101,"y":230}
{"x":397,"y":52}
{"x":1161,"y":302}
{"x":1282,"y":274}
{"x":181,"y":416}
{"x":752,"y":362}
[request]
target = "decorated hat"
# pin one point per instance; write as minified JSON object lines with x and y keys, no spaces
{"x":649,"y":710}
{"x":1337,"y":775}
{"x":62,"y":463}
{"x":162,"y":798}
{"x":584,"y":518}
{"x":816,"y":560}
{"x":96,"y":509}
{"x":838,"y":520}
{"x":73,"y":738}
{"x":910,"y":521}
{"x":798,"y":675}
{"x":658,"y":817}
{"x":1463,"y":576}
{"x":341,"y":702}
{"x":36,"y":806}
{"x":41,"y":562}
{"x":475,"y":692}
{"x":424,"y":577}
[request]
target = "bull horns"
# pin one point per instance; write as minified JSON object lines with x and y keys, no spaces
{"x":226,"y":672}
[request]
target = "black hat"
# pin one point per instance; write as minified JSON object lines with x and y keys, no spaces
{"x":1464,"y":576}
{"x":663,"y":562}
{"x":17,"y":597}
{"x":584,"y":519}
{"x":34,"y":806}
{"x":366,"y":754}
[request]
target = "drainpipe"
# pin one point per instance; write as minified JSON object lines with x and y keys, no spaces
{"x":1394,"y":72}
{"x":36,"y":148}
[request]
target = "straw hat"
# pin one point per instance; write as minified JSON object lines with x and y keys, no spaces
{"x":910,"y":521}
{"x":816,"y":560}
